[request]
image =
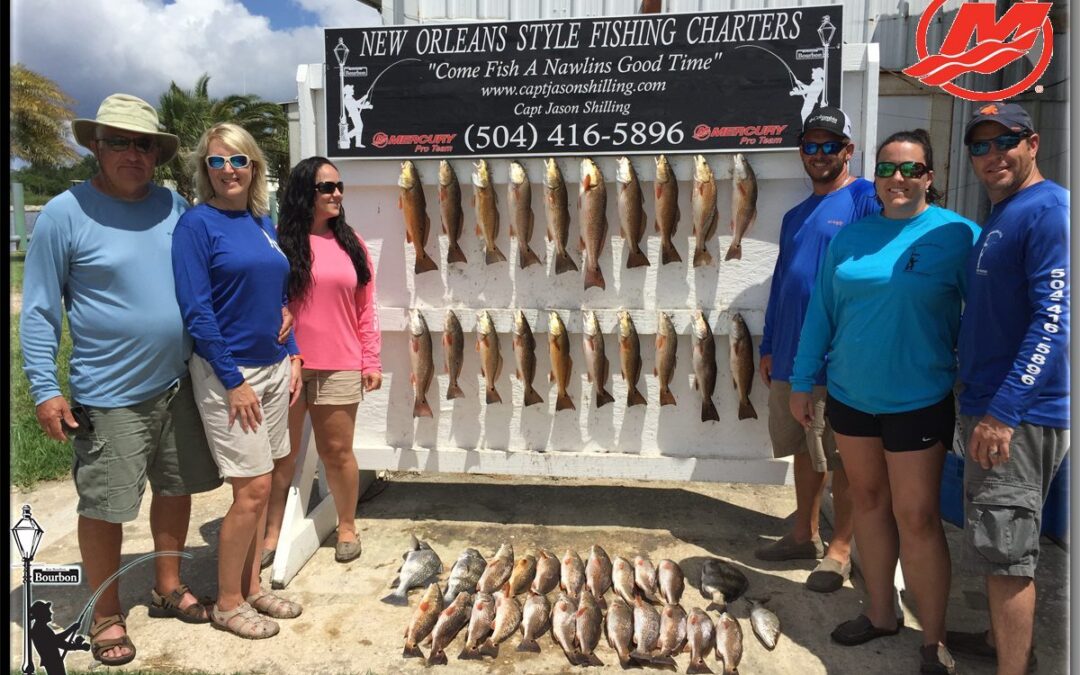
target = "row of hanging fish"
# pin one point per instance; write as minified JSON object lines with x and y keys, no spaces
{"x":592,"y":213}
{"x":741,"y":357}
{"x":481,"y":599}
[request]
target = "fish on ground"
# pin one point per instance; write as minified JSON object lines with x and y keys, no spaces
{"x":558,"y":216}
{"x":453,"y":218}
{"x":622,"y":578}
{"x":596,"y":360}
{"x":536,"y":618}
{"x":667,"y":210}
{"x":498,"y":570}
{"x":766,"y":625}
{"x":672,"y":635}
{"x":701,"y":636}
{"x":507,"y":620}
{"x":525,"y":355}
{"x":721,"y":583}
{"x":519,"y":197}
{"x":729,"y":643}
{"x":744,"y":193}
{"x":742,"y":365}
{"x":670,"y":581}
{"x":464,"y":574}
{"x":422,"y":363}
{"x":450,"y":622}
{"x":487,"y":344}
{"x":589,"y":619}
{"x":667,"y":345}
{"x":561,"y":363}
{"x":522,"y":576}
{"x":421,"y":567}
{"x":592,"y":218}
{"x":564,"y":626}
{"x":598,"y":573}
{"x":572,"y":574}
{"x":645,"y":577}
{"x":417,"y":224}
{"x":703,"y":206}
{"x":619,"y":627}
{"x":454,"y":353}
{"x":632,"y":217}
{"x":646,"y":630}
{"x":480,"y":622}
{"x":548,"y":572}
{"x":704,"y":353}
{"x":423,"y":620}
{"x":487,"y":212}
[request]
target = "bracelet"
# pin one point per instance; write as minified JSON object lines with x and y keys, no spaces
{"x":297,"y":357}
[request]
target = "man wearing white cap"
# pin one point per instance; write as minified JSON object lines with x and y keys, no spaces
{"x":101,"y":252}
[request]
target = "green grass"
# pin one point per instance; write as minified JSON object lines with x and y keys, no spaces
{"x":34,"y":456}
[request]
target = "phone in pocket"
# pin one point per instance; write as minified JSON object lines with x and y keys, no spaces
{"x":82,"y":418}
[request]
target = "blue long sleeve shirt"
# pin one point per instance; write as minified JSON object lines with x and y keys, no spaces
{"x":231,"y":283}
{"x":106,"y":263}
{"x":886,"y":312}
{"x":805,"y":234}
{"x":1014,"y":338}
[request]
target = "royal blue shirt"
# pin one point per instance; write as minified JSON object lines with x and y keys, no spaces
{"x":805,"y":234}
{"x":1014,"y":339}
{"x":886,"y":312}
{"x":231,"y":283}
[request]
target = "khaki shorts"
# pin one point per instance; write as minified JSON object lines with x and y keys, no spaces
{"x":239,"y":453}
{"x":160,"y":440}
{"x":790,"y":438}
{"x":332,"y":387}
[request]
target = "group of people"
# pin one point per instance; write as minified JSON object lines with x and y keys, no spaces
{"x":202,"y":338}
{"x":882,"y":305}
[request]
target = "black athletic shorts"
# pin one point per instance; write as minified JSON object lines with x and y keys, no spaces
{"x":899,"y":432}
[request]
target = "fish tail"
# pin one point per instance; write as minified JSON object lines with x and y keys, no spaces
{"x":664,"y":661}
{"x":716,"y":606}
{"x":634,"y":397}
{"x":698,"y":667}
{"x":437,"y":658}
{"x":422,"y":408}
{"x":527,"y":645}
{"x":628,"y":662}
{"x":702,"y":257}
{"x":412,"y":652}
{"x":571,"y":657}
{"x":493,"y":396}
{"x":532,"y":398}
{"x":734,"y":251}
{"x":489,"y":648}
{"x":668,"y":253}
{"x":603,"y":398}
{"x":564,"y":402}
{"x":641,"y":657}
{"x":637,"y":259}
{"x":470,"y":654}
{"x":425,"y":264}
{"x":746,"y":410}
{"x":527,"y":257}
{"x":494,"y":255}
{"x":453,"y":390}
{"x":587,"y":660}
{"x":666,"y":397}
{"x":594,"y":277}
{"x":600,"y":601}
{"x":564,"y":263}
{"x":396,"y":598}
{"x":708,"y":411}
{"x":455,"y":254}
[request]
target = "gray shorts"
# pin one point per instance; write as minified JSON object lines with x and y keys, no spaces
{"x":790,"y":438}
{"x":1003,"y":505}
{"x":160,"y":440}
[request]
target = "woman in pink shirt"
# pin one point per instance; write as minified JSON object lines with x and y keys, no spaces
{"x":332,"y":300}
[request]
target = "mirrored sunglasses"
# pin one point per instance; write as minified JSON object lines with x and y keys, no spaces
{"x":327,"y":187}
{"x":1003,"y":143}
{"x":907,"y":169}
{"x":828,"y":147}
{"x":236,"y":161}
{"x":143,"y":144}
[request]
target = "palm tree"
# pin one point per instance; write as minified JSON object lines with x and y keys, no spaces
{"x":190,"y":112}
{"x":39,"y":110}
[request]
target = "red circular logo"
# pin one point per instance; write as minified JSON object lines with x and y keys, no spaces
{"x":380,"y":139}
{"x":701,"y":132}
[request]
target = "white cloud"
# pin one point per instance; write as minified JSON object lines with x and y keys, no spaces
{"x":93,"y":48}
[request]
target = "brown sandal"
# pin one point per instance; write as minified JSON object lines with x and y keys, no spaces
{"x":98,"y":646}
{"x":274,"y":606}
{"x":243,"y":621}
{"x":164,"y":606}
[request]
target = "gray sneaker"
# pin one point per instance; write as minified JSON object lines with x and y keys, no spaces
{"x":786,"y":548}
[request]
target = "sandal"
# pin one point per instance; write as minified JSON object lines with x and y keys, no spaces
{"x":347,"y":551}
{"x":861,"y":629}
{"x":98,"y":646}
{"x":267,"y":558}
{"x":243,"y":621}
{"x":274,"y":606}
{"x":163,"y":606}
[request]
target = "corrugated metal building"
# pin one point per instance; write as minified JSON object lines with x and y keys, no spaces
{"x":904,"y":103}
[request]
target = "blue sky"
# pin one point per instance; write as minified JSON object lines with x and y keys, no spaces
{"x":93,"y":48}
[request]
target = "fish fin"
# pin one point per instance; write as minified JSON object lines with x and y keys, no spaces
{"x":489,"y":648}
{"x":603,"y":398}
{"x":551,"y":376}
{"x":479,"y":232}
{"x":669,"y":254}
{"x":636,"y":259}
{"x":513,"y":230}
{"x":425,"y":264}
{"x":734,"y":251}
{"x":594,"y":277}
{"x":421,"y":409}
{"x":712,"y":224}
{"x":746,"y":410}
{"x":656,"y":226}
{"x":699,"y":667}
{"x":641,"y":657}
{"x":634,"y":397}
{"x":666,"y":397}
{"x":494,"y":255}
{"x":702,"y":257}
{"x":564,"y":402}
{"x":493,"y":396}
{"x":532,"y":398}
{"x":528,"y":646}
{"x":529,"y":257}
{"x":715,"y":606}
{"x":411,"y":652}
{"x":571,"y":657}
{"x":664,"y":661}
{"x":455,"y":254}
{"x":437,"y":658}
{"x":587,"y":660}
{"x":580,"y":244}
{"x":564,"y":263}
{"x":454,"y":391}
{"x":408,"y":235}
{"x":400,"y":599}
{"x":468,"y":654}
{"x":708,"y":411}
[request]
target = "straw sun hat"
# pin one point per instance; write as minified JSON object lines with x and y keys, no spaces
{"x":128,"y":113}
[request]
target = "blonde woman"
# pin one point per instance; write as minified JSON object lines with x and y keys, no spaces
{"x":231,"y":280}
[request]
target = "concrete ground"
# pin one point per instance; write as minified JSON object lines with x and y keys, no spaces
{"x":345,"y":629}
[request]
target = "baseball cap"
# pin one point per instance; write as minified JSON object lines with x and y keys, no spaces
{"x":1009,"y":115}
{"x":833,"y":120}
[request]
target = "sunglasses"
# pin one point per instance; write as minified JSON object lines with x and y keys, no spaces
{"x":828,"y":147}
{"x":327,"y":187}
{"x":1002,"y":143}
{"x":120,"y":144}
{"x":907,"y":169}
{"x":236,"y":161}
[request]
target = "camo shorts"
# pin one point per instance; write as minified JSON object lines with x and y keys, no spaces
{"x":1003,"y":505}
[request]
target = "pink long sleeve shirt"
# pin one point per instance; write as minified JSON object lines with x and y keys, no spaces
{"x":337,"y":323}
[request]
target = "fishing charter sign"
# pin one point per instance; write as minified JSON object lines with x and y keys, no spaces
{"x":734,"y":80}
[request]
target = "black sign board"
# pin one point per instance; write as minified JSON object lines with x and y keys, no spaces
{"x":735,"y":80}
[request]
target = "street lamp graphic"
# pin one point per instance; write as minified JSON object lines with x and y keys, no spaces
{"x":27,"y":535}
{"x":341,"y":52}
{"x":825,"y":31}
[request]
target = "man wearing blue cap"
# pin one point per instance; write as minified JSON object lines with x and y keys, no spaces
{"x":1014,"y":367}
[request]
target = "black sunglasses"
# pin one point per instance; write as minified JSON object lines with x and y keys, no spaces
{"x":327,"y":187}
{"x":828,"y":147}
{"x":120,"y":144}
{"x":1002,"y":143}
{"x":907,"y":169}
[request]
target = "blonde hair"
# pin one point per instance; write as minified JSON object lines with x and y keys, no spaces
{"x":237,"y":139}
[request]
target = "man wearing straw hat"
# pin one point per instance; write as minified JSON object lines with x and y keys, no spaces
{"x":101,"y":253}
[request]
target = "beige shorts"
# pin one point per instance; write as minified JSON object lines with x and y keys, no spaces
{"x":332,"y":387}
{"x":790,"y":438}
{"x":239,"y":453}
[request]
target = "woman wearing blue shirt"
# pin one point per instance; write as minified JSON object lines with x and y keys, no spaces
{"x":231,"y":280}
{"x":884,"y":319}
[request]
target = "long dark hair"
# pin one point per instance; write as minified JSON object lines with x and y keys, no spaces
{"x":918,"y":137}
{"x":294,"y":225}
